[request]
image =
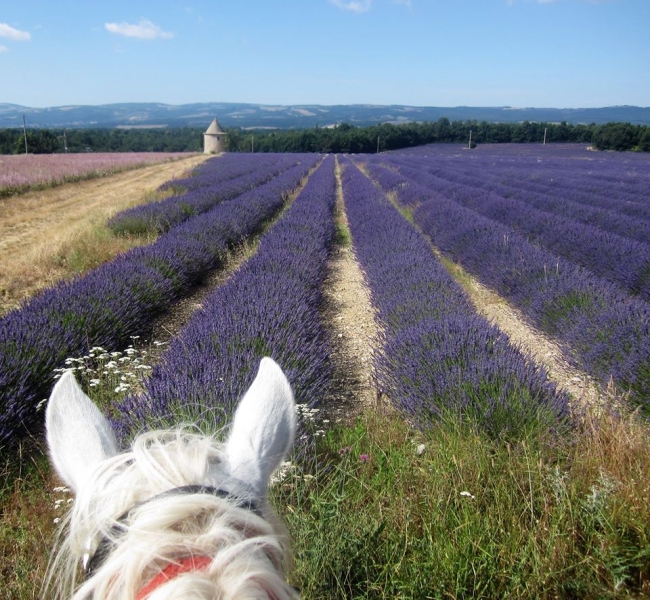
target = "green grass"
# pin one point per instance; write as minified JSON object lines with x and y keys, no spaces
{"x":342,"y":236}
{"x":28,"y":507}
{"x":385,"y":511}
{"x":379,"y":509}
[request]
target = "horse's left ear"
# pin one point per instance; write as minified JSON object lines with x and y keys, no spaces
{"x":263,"y":428}
{"x":78,"y":435}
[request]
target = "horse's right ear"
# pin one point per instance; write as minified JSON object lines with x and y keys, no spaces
{"x":78,"y":435}
{"x":263,"y":428}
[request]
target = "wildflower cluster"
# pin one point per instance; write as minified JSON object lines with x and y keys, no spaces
{"x":108,"y":376}
{"x":285,"y":470}
{"x":343,"y":453}
{"x":308,"y":419}
{"x":61,"y":503}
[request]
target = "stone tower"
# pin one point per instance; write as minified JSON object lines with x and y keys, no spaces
{"x":214,"y":139}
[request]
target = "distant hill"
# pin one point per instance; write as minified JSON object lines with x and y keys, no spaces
{"x":296,"y":116}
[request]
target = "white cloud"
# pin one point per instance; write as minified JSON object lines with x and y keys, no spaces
{"x":362,"y":6}
{"x":144,"y":30}
{"x":358,"y":6}
{"x":14,"y":34}
{"x":3,"y":48}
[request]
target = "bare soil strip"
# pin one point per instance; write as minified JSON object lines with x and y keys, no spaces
{"x":349,"y":317}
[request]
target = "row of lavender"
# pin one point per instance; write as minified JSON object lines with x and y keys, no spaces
{"x":217,"y":180}
{"x":439,"y":357}
{"x":621,"y":260}
{"x":120,"y":299}
{"x":604,"y":330}
{"x":270,"y":307}
{"x":610,"y":208}
{"x":571,"y":170}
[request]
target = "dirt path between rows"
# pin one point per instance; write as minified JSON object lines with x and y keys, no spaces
{"x":350,"y":319}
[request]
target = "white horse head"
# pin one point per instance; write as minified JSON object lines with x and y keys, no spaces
{"x":179,"y":515}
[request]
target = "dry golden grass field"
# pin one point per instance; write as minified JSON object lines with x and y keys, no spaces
{"x":48,"y":235}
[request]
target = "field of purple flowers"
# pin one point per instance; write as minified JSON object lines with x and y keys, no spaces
{"x":24,"y":171}
{"x":120,"y":299}
{"x":545,"y":228}
{"x":560,"y":232}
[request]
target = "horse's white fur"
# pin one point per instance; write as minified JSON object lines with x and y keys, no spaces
{"x":247,"y":551}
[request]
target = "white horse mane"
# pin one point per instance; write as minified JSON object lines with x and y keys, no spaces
{"x":175,"y":499}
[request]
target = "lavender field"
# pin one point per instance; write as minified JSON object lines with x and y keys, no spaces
{"x":557,"y":231}
{"x":23,"y":171}
{"x":560,"y":232}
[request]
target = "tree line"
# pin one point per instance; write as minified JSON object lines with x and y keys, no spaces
{"x":342,"y":138}
{"x":51,"y":141}
{"x":379,"y":138}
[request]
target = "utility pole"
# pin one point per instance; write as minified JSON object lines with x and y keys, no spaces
{"x":25,"y":132}
{"x":377,"y":144}
{"x":469,"y":146}
{"x":65,"y":142}
{"x":252,"y":143}
{"x":544,"y":137}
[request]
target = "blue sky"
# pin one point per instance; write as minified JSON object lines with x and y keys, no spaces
{"x":533,"y":53}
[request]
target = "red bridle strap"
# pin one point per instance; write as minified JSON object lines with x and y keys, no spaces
{"x":173,"y":570}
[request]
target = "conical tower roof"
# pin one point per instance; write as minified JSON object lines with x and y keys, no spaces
{"x":215,"y":128}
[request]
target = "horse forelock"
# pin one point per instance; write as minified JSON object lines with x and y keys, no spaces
{"x":248,"y":551}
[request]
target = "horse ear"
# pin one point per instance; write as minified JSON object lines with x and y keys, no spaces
{"x":78,"y":435}
{"x":263,"y":428}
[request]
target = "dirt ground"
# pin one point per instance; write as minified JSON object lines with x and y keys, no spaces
{"x":36,"y":225}
{"x":350,"y":319}
{"x":27,"y":218}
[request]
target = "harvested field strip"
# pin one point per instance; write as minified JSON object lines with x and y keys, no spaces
{"x":55,"y":234}
{"x":26,"y":172}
